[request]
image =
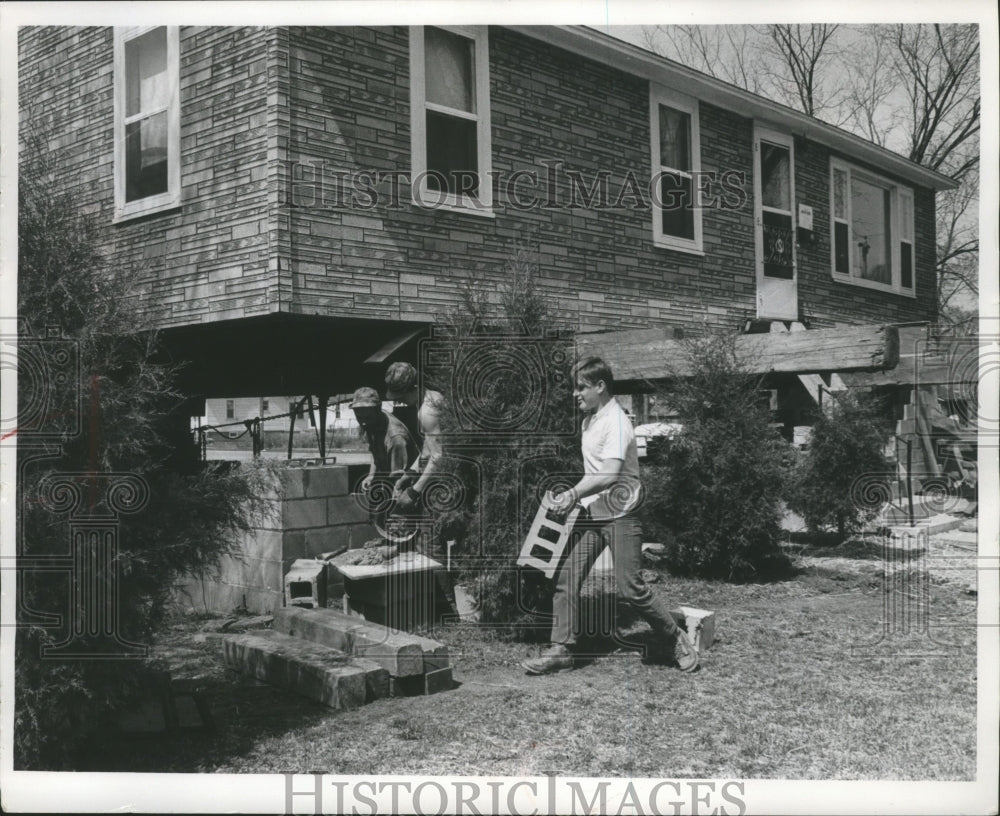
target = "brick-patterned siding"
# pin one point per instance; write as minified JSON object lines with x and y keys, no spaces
{"x":825,"y":301}
{"x":208,"y":259}
{"x":266,"y":111}
{"x":349,"y":92}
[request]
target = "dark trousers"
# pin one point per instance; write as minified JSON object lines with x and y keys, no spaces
{"x":588,"y":540}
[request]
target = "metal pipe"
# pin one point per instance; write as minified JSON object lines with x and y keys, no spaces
{"x":909,"y":476}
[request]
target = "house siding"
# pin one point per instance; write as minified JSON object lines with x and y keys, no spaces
{"x":267,"y":112}
{"x":208,"y":259}
{"x":600,"y":268}
{"x":825,"y":301}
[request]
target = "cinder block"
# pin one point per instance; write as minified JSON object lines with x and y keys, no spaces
{"x":305,"y":584}
{"x":417,"y":685}
{"x":325,"y":539}
{"x":323,"y":482}
{"x":261,"y":573}
{"x":360,"y":534}
{"x":376,"y":678}
{"x":438,"y":680}
{"x":411,"y":686}
{"x":699,"y":624}
{"x":302,"y":513}
{"x":293,"y":545}
{"x":317,"y":672}
{"x":266,"y":544}
{"x":272,"y":519}
{"x":293,"y":483}
{"x":346,"y":510}
{"x":400,"y":653}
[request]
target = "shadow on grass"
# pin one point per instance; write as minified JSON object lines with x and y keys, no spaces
{"x":821,"y":545}
{"x":242,"y":713}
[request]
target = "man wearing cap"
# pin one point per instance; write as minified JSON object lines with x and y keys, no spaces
{"x":391,"y":445}
{"x":401,"y":386}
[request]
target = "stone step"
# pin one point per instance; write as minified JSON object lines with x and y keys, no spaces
{"x":959,"y":537}
{"x":320,"y":673}
{"x":400,"y":653}
{"x":928,"y":526}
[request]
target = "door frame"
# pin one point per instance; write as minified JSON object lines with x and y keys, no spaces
{"x":786,"y":289}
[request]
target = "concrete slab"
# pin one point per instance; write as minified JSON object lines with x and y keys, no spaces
{"x":935,"y":524}
{"x":401,"y":565}
{"x":326,"y":675}
{"x":964,"y":539}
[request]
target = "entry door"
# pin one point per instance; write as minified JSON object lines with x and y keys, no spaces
{"x":774,"y":197}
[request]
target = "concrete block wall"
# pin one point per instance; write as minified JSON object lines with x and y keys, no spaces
{"x":312,"y":513}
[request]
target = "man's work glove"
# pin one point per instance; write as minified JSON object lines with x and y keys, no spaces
{"x":402,"y":479}
{"x":407,"y":501}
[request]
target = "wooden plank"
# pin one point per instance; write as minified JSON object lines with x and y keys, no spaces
{"x":393,"y":345}
{"x":649,"y":354}
{"x":906,"y":373}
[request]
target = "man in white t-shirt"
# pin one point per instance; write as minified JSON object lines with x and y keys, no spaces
{"x":609,"y":491}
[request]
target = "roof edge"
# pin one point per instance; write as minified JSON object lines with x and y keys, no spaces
{"x":632,"y":59}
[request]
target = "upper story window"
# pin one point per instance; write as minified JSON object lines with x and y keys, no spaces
{"x":676,"y":159}
{"x":230,"y":409}
{"x":450,"y":117}
{"x":147,"y":120}
{"x":872,"y":229}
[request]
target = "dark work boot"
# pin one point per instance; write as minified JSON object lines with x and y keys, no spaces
{"x":556,"y":658}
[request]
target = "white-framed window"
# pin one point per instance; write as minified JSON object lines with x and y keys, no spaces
{"x":871,"y":230}
{"x":675,"y":144}
{"x":230,"y":409}
{"x":147,"y":120}
{"x":450,"y":118}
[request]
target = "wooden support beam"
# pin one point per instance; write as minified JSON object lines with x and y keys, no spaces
{"x":649,"y":354}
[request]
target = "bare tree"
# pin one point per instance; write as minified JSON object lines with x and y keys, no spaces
{"x":938,"y":67}
{"x":730,"y":53}
{"x":790,"y":63}
{"x":871,"y":85}
{"x":801,"y":50}
{"x":910,"y":88}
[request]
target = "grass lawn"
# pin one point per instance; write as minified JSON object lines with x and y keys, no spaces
{"x":779,"y":695}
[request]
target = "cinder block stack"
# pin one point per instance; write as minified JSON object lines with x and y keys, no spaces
{"x":339,"y":660}
{"x":311,"y":512}
{"x":416,"y":665}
